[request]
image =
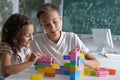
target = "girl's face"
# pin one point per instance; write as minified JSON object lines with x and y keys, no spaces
{"x":51,"y":23}
{"x":26,"y":36}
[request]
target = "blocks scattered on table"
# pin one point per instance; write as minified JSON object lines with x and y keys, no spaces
{"x":101,"y":72}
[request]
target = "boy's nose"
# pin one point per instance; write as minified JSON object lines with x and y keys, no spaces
{"x":52,"y":26}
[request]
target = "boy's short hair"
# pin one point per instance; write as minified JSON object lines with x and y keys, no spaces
{"x":45,"y":8}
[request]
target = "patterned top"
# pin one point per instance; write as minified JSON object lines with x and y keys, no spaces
{"x":21,"y":57}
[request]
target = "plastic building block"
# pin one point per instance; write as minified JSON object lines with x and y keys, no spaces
{"x":46,"y":58}
{"x":55,"y":66}
{"x":102,"y":73}
{"x":49,"y":74}
{"x":36,"y":77}
{"x":93,"y":73}
{"x":66,"y":57}
{"x":112,"y":72}
{"x":59,"y":71}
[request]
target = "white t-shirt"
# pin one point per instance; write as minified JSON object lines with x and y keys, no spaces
{"x":67,"y":42}
{"x":21,"y":55}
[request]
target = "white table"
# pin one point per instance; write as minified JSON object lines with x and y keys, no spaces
{"x":105,"y":62}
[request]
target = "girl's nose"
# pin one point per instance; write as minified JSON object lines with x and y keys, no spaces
{"x":31,"y":37}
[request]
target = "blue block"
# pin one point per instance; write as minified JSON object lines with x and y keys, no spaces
{"x":73,"y":62}
{"x":75,"y":75}
{"x":67,"y":72}
{"x":36,"y":67}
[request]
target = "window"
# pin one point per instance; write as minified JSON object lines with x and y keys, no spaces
{"x":5,"y":11}
{"x":28,"y":7}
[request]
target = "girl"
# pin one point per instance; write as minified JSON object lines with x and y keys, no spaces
{"x":17,"y":34}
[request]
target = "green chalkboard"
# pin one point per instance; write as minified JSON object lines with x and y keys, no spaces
{"x":80,"y":16}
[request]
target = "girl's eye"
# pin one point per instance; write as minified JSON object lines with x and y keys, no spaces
{"x":26,"y":35}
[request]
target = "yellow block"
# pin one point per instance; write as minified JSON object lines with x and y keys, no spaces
{"x":82,"y":56}
{"x":87,"y":71}
{"x":40,"y":70}
{"x":49,"y":70}
{"x":36,"y":77}
{"x":81,"y":74}
{"x":56,"y":66}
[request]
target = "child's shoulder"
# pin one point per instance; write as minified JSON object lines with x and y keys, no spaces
{"x":5,"y":47}
{"x":69,"y":33}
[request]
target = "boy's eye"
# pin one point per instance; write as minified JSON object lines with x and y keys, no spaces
{"x":55,"y":22}
{"x":46,"y":25}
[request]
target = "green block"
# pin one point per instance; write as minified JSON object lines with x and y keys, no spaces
{"x":73,"y":66}
{"x":40,"y":66}
{"x":67,"y":65}
{"x":93,"y":73}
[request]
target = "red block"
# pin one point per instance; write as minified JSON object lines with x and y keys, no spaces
{"x":112,"y":72}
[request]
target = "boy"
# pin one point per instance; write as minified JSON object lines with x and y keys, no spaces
{"x":56,"y":42}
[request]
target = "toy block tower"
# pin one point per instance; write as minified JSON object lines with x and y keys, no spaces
{"x":76,"y":66}
{"x":45,"y":65}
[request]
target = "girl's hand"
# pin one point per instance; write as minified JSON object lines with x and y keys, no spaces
{"x":34,"y":57}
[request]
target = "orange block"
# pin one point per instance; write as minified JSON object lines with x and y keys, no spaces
{"x":112,"y":72}
{"x":49,"y":74}
{"x":73,"y":69}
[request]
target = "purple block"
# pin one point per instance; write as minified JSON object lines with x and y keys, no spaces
{"x":45,"y":63}
{"x":63,"y":68}
{"x":59,"y":71}
{"x":66,"y":57}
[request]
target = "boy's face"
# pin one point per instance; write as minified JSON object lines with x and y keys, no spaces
{"x":26,"y":35}
{"x":51,"y":22}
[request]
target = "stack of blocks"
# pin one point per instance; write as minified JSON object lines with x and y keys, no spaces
{"x":45,"y":65}
{"x":76,"y":66}
{"x":101,"y":72}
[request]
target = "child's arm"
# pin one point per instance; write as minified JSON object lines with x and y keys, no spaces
{"x":8,"y":68}
{"x":91,"y":61}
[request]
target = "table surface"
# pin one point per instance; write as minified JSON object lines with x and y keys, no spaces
{"x":105,"y":62}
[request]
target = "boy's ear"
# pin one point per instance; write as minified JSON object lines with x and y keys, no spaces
{"x":60,"y":17}
{"x":40,"y":24}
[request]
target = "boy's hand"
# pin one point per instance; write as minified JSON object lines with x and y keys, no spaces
{"x":76,"y":49}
